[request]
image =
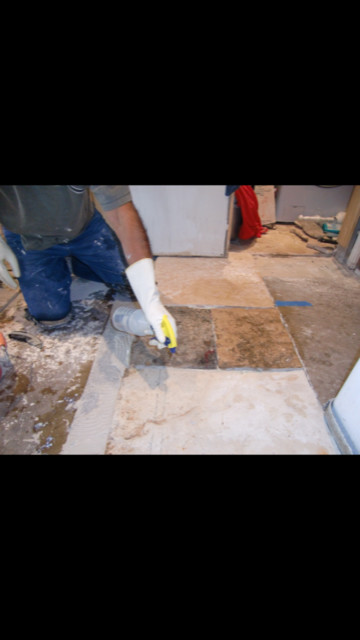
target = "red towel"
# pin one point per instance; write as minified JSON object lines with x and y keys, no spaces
{"x":251,"y":226}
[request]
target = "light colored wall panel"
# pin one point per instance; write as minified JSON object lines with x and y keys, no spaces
{"x":188,"y":220}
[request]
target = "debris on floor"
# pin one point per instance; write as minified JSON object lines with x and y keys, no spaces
{"x":310,"y":228}
{"x":49,"y":373}
{"x":325,"y":233}
{"x":300,"y":234}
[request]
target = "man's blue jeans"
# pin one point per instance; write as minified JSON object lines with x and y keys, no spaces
{"x":45,"y":275}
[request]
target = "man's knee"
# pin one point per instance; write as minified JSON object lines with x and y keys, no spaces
{"x":46,"y":291}
{"x":48,"y":308}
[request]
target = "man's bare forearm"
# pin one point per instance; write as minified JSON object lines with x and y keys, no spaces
{"x":129,"y":228}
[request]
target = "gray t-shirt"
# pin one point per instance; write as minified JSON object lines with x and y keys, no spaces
{"x":45,"y":215}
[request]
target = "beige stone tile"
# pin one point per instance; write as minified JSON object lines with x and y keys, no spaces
{"x":253,"y":338}
{"x":175,"y":411}
{"x":211,"y":281}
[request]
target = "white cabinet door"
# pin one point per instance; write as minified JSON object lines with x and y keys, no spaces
{"x":184,"y":220}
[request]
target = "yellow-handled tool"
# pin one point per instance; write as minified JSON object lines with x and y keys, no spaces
{"x":170,"y":340}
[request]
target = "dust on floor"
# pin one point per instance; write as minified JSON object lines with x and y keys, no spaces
{"x":39,"y":394}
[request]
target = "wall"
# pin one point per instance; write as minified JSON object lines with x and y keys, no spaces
{"x":310,"y":200}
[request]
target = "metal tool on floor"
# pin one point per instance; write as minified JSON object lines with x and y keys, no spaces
{"x":23,"y":336}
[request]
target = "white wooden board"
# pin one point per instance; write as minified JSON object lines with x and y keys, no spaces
{"x":266,"y":198}
{"x":187,"y":220}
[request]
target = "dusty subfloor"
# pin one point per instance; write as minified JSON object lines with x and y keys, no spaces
{"x":227,"y":320}
{"x":38,"y":396}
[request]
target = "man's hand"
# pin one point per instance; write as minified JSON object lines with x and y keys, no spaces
{"x":7,"y":254}
{"x":141,"y":276}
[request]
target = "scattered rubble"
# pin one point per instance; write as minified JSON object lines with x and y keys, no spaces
{"x":310,"y":228}
{"x":300,"y":234}
{"x":324,"y":230}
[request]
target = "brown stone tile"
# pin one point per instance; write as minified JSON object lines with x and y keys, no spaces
{"x":196,"y":343}
{"x":253,"y":338}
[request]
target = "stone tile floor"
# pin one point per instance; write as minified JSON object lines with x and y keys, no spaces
{"x":244,"y":380}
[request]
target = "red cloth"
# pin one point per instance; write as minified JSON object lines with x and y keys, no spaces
{"x":251,"y":226}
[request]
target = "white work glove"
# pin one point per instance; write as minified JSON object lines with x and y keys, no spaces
{"x":141,"y":276}
{"x":7,"y":254}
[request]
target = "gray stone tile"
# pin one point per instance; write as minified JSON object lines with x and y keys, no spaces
{"x":196,"y":343}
